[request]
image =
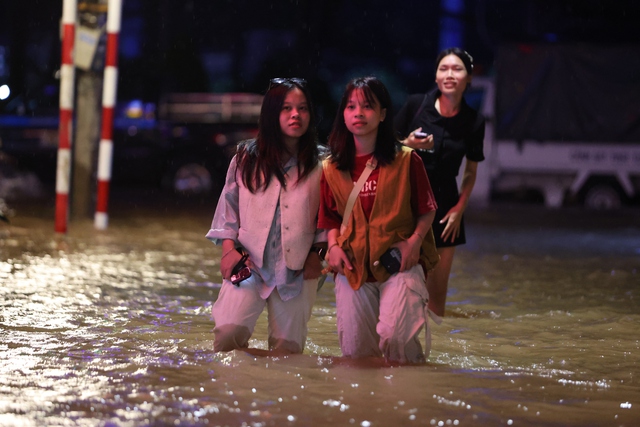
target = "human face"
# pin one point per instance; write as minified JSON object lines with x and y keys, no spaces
{"x":361,"y":117}
{"x":294,"y":116}
{"x":452,"y":76}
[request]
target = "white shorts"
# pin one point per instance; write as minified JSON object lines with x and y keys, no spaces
{"x":237,"y":309}
{"x":384,"y":319}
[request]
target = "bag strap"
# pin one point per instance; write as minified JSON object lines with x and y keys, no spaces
{"x":372,"y":163}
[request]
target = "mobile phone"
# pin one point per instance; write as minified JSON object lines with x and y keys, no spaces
{"x":391,"y":260}
{"x":420,"y":135}
{"x":242,"y":274}
{"x":240,"y":271}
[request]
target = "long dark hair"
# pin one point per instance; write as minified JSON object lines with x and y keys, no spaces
{"x":259,"y":159}
{"x":341,"y":143}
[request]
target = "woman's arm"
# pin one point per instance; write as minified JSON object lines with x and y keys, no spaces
{"x":405,"y":118}
{"x":226,"y":219}
{"x":410,"y":248}
{"x":225,"y":223}
{"x":336,"y":257}
{"x":454,"y":216}
{"x":468,"y":182}
{"x":230,"y":257}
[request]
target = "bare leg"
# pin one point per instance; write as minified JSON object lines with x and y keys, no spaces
{"x":438,"y":280}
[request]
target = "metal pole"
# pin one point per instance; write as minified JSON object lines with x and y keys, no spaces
{"x":109,"y":91}
{"x":65,"y":131}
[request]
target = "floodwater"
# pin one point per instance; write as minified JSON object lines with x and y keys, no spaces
{"x":112,"y":328}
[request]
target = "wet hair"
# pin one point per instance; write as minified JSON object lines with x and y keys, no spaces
{"x":260,"y":159}
{"x":464,"y":56}
{"x":341,"y":143}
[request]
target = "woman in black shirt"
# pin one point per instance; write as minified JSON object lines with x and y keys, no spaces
{"x":453,"y":131}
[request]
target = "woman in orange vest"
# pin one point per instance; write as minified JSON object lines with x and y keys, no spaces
{"x":381,"y":307}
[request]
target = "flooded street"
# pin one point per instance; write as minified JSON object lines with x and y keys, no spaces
{"x":112,"y":328}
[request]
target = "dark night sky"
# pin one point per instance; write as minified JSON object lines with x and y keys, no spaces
{"x":236,"y":45}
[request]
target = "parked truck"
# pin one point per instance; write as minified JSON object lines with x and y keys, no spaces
{"x":563,"y":122}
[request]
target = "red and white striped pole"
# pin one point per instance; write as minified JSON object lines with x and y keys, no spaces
{"x":65,"y":130}
{"x":109,"y":91}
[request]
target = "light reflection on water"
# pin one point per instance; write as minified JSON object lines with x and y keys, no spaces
{"x":113,"y":328}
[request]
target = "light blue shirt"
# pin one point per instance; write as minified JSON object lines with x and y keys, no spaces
{"x":274,"y":271}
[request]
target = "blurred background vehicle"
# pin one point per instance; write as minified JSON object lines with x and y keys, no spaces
{"x":555,"y":134}
{"x":202,"y":131}
{"x":184,"y":146}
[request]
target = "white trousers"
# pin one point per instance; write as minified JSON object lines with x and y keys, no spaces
{"x":237,"y":309}
{"x":384,"y":319}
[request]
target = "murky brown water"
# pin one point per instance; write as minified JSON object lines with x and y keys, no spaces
{"x":112,"y":328}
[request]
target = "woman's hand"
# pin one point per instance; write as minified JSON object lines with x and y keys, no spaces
{"x":228,"y":261}
{"x":230,"y":257}
{"x":338,"y":259}
{"x":312,"y":266}
{"x":425,"y":143}
{"x":453,"y":218}
{"x":410,"y":250}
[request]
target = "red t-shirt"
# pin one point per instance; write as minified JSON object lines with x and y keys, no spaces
{"x":422,"y":199}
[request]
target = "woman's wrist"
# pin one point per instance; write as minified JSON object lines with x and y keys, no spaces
{"x":331,"y":246}
{"x":227,"y":253}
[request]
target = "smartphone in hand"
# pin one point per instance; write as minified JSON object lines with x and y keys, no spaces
{"x":240,"y":271}
{"x":391,"y":260}
{"x":422,"y":135}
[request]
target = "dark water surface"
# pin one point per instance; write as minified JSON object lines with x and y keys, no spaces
{"x":112,"y":328}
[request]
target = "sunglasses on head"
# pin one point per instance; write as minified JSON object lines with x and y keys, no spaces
{"x":287,"y":80}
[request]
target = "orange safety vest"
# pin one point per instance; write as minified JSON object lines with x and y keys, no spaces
{"x":391,"y":219}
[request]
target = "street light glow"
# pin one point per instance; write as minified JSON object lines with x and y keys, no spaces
{"x":4,"y":92}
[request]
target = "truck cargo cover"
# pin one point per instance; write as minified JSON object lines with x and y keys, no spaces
{"x":568,"y":93}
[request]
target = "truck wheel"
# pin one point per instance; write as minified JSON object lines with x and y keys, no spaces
{"x":602,"y":197}
{"x":192,"y":178}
